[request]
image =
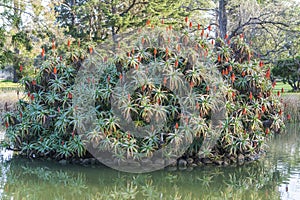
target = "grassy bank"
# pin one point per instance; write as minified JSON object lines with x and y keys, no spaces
{"x":9,"y":86}
{"x":285,"y":86}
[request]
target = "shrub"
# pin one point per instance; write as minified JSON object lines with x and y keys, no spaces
{"x":219,"y":73}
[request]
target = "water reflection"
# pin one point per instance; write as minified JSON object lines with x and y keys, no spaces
{"x":274,"y":177}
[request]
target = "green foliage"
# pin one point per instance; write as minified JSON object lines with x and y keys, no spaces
{"x":289,"y":71}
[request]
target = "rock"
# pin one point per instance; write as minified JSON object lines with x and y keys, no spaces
{"x":182,"y":163}
{"x":193,"y":165}
{"x":241,"y":158}
{"x":171,"y":162}
{"x":207,"y":161}
{"x":63,"y":162}
{"x":218,"y":162}
{"x":93,"y":161}
{"x":160,"y":161}
{"x":190,"y":161}
{"x":133,"y":163}
{"x":146,"y":162}
{"x":86,"y":161}
{"x":199,"y":163}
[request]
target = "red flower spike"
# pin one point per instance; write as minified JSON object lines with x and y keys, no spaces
{"x":191,"y":84}
{"x":207,"y":88}
{"x":121,"y":77}
{"x":259,"y":116}
{"x":228,"y":42}
{"x":108,"y":79}
{"x":73,"y":134}
{"x":223,"y":72}
{"x":282,"y":90}
{"x":289,"y":117}
{"x":191,"y":25}
{"x":186,"y":19}
{"x":233,"y":95}
{"x":32,"y":97}
{"x":197,"y":106}
{"x":58,"y":109}
{"x":226,"y":36}
{"x":155,"y":51}
{"x":136,"y":67}
{"x":199,"y":26}
{"x":178,"y":48}
{"x":170,"y":27}
{"x":268,"y":74}
{"x":148,"y":22}
{"x":242,"y":36}
{"x":158,"y":101}
{"x":91,"y":50}
{"x":53,"y":45}
{"x":202,"y":33}
{"x":43,"y":53}
{"x":165,"y":81}
{"x":21,"y":114}
{"x":267,"y":131}
{"x":280,"y":112}
{"x":244,"y":111}
{"x":226,"y":71}
{"x":167,"y":50}
{"x":143,"y":87}
{"x":69,"y":43}
{"x":176,"y":63}
{"x":230,"y":68}
{"x":250,"y":96}
{"x":33,"y":82}
{"x":55,"y":70}
{"x":70,"y":96}
{"x":21,"y":68}
{"x":6,"y":124}
{"x":28,"y":94}
{"x":209,"y":27}
{"x":232,"y":77}
{"x":176,"y":126}
{"x":263,"y":108}
{"x":261,"y":64}
{"x":219,"y":58}
{"x":128,"y":97}
{"x":207,"y":35}
{"x":162,"y":21}
{"x":128,"y":54}
{"x":212,"y":42}
{"x":128,"y":135}
{"x":143,"y":40}
{"x":278,"y":93}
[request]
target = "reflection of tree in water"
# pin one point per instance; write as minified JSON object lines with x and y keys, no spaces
{"x":33,"y":181}
{"x":5,"y":156}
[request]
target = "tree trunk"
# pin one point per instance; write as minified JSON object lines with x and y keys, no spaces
{"x":222,"y":18}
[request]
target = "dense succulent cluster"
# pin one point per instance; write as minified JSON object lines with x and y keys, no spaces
{"x":212,"y":73}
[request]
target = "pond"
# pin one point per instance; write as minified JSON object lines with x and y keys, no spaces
{"x":276,"y":176}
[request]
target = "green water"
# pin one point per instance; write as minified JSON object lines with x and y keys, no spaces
{"x":277,"y":176}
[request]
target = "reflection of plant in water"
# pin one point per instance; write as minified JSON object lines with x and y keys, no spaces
{"x":256,"y":180}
